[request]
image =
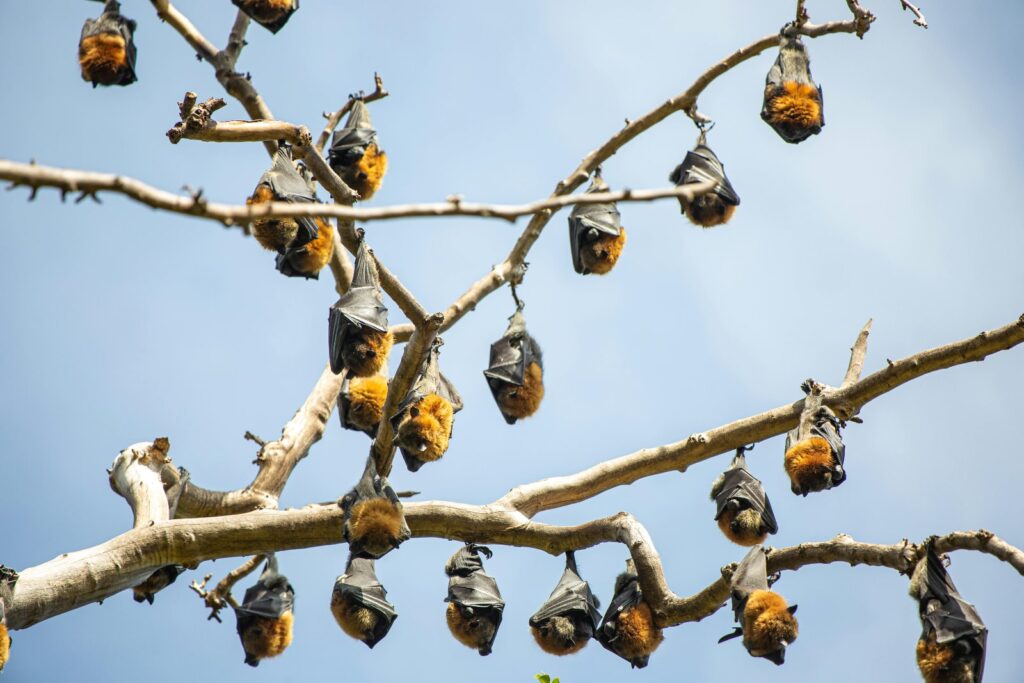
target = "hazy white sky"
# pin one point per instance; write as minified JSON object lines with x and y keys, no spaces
{"x":121,"y":324}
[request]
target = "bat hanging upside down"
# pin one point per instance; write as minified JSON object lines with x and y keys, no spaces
{"x":359,"y":603}
{"x":374,"y":523}
{"x":744,"y":513}
{"x":628,"y":628}
{"x":271,"y":14}
{"x":568,"y":620}
{"x":106,"y":49}
{"x":792,"y":101}
{"x":265,"y":617}
{"x":474,"y":602}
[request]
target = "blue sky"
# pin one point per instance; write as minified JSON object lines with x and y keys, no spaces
{"x":122,"y":324}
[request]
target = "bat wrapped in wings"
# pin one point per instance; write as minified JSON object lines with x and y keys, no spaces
{"x":628,"y":628}
{"x":106,"y":48}
{"x":951,"y":648}
{"x":474,"y":601}
{"x":743,"y":511}
{"x":8,"y":577}
{"x":374,"y":523}
{"x":303,"y":245}
{"x":357,"y":326}
{"x":156,"y":582}
{"x":425,"y":417}
{"x":815,"y":453}
{"x":270,"y":14}
{"x":765,"y":621}
{"x":516,"y":371}
{"x":568,"y":620}
{"x":793,"y":104}
{"x":265,"y":617}
{"x":359,"y":602}
{"x":596,"y":237}
{"x":701,"y":165}
{"x":355,"y":153}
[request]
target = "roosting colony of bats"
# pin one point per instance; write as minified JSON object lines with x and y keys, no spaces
{"x":952,"y":641}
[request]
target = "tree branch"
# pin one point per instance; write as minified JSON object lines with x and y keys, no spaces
{"x":919,"y":19}
{"x":857,"y":353}
{"x":136,"y":477}
{"x":686,"y":101}
{"x":846,"y":401}
{"x":220,"y":597}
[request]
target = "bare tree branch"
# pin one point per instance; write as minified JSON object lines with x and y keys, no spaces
{"x":857,"y":353}
{"x":220,"y":597}
{"x":90,"y":182}
{"x":236,"y":39}
{"x":846,"y":401}
{"x":136,"y":477}
{"x":918,"y":17}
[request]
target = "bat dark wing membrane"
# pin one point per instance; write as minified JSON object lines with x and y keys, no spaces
{"x":628,"y":595}
{"x":588,"y":222}
{"x":270,"y":597}
{"x":359,"y":583}
{"x":700,"y":165}
{"x":273,"y":24}
{"x":361,"y":306}
{"x":288,"y":186}
{"x":827,"y":426}
{"x":572,"y":594}
{"x":478,"y":590}
{"x":349,"y":144}
{"x":740,"y":485}
{"x":509,"y":358}
{"x":947,"y":615}
{"x":751,"y":575}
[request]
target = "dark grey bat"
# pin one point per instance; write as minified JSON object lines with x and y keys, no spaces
{"x":362,"y":306}
{"x":475,"y":593}
{"x":510,"y":356}
{"x":359,"y":585}
{"x":112,"y":22}
{"x":589,"y":222}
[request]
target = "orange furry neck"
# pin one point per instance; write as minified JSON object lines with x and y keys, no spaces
{"x":364,"y":354}
{"x":5,"y":646}
{"x":366,"y":398}
{"x":558,"y":636}
{"x":748,"y":527}
{"x":311,"y":259}
{"x":637,"y":634}
{"x":426,"y":431}
{"x":767,"y":623}
{"x":375,"y":525}
{"x":355,"y":620}
{"x":369,"y":171}
{"x":102,"y":57}
{"x":601,"y":255}
{"x":939,"y":663}
{"x":267,"y":637}
{"x":523,"y":401}
{"x":797,"y":103}
{"x":709,"y":210}
{"x":273,"y":234}
{"x":809,"y":464}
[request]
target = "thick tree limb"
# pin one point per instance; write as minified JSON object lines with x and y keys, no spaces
{"x":136,"y":477}
{"x":276,"y":459}
{"x":846,"y":401}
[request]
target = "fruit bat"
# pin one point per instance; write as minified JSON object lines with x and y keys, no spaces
{"x":359,"y":602}
{"x":952,"y":644}
{"x":793,"y":104}
{"x":516,"y":371}
{"x":5,"y":637}
{"x":156,"y":582}
{"x":744,"y":513}
{"x":766,"y":622}
{"x":628,"y":628}
{"x":596,"y":237}
{"x":474,"y":601}
{"x":106,"y":49}
{"x":266,"y":614}
{"x":361,"y":403}
{"x":355,"y":154}
{"x":567,"y":621}
{"x":815,"y":452}
{"x":374,"y":523}
{"x":357,"y":325}
{"x":303,"y":245}
{"x":270,"y":14}
{"x":423,"y":423}
{"x":711,"y":208}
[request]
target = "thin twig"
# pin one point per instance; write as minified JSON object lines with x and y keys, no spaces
{"x":857,"y":354}
{"x":918,"y":17}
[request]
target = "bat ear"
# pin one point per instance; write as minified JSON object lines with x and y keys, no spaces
{"x":792,"y":609}
{"x":414,"y":412}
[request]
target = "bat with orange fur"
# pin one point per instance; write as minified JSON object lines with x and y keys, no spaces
{"x":266,"y":615}
{"x":516,"y":371}
{"x":8,"y":577}
{"x":793,"y":104}
{"x":270,"y":14}
{"x":106,"y":48}
{"x":951,"y":648}
{"x":766,"y":622}
{"x":355,"y":153}
{"x":474,"y":602}
{"x":596,"y":236}
{"x":568,"y":620}
{"x":425,"y":417}
{"x":156,"y":582}
{"x":628,"y":628}
{"x":743,"y":511}
{"x":359,"y":602}
{"x":700,"y":165}
{"x":361,"y":403}
{"x":374,"y":523}
{"x":357,"y":325}
{"x":815,"y":453}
